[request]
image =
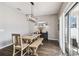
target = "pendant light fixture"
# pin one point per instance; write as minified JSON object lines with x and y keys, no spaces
{"x":31,"y":17}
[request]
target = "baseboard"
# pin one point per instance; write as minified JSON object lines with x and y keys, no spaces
{"x":52,"y":39}
{"x":5,"y":46}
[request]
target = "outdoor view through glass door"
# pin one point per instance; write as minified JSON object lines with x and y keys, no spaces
{"x":71,"y":31}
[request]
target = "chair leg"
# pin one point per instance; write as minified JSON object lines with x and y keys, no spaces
{"x":21,"y":52}
{"x":27,"y":50}
{"x":13,"y":51}
{"x":31,"y":51}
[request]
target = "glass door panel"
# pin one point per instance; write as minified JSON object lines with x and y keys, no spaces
{"x":73,"y":25}
{"x":72,"y":31}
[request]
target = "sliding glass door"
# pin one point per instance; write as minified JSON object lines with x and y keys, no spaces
{"x":72,"y":31}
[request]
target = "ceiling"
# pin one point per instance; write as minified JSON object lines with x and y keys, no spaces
{"x":39,"y":8}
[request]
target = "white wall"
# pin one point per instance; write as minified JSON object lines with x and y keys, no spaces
{"x":11,"y":21}
{"x":31,"y":27}
{"x":52,"y":21}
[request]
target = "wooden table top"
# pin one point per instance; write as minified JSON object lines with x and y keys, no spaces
{"x":31,"y":37}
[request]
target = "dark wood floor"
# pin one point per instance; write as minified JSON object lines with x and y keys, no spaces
{"x":50,"y":48}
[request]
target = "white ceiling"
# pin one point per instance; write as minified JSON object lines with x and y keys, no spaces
{"x":40,"y":8}
{"x":46,"y":8}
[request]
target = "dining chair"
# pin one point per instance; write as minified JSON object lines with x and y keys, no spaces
{"x":19,"y":45}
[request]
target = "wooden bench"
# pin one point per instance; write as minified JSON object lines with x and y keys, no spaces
{"x":34,"y":46}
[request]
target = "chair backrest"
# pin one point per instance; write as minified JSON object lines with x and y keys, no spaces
{"x":16,"y":39}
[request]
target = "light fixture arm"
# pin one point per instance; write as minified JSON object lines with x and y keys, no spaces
{"x":32,"y":4}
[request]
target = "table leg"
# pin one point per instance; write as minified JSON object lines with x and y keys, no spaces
{"x":41,"y":43}
{"x":35,"y":51}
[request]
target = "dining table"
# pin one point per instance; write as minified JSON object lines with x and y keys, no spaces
{"x":31,"y":38}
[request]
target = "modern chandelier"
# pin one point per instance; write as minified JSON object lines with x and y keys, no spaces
{"x":31,"y":17}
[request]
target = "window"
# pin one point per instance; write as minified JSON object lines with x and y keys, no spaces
{"x":72,"y":21}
